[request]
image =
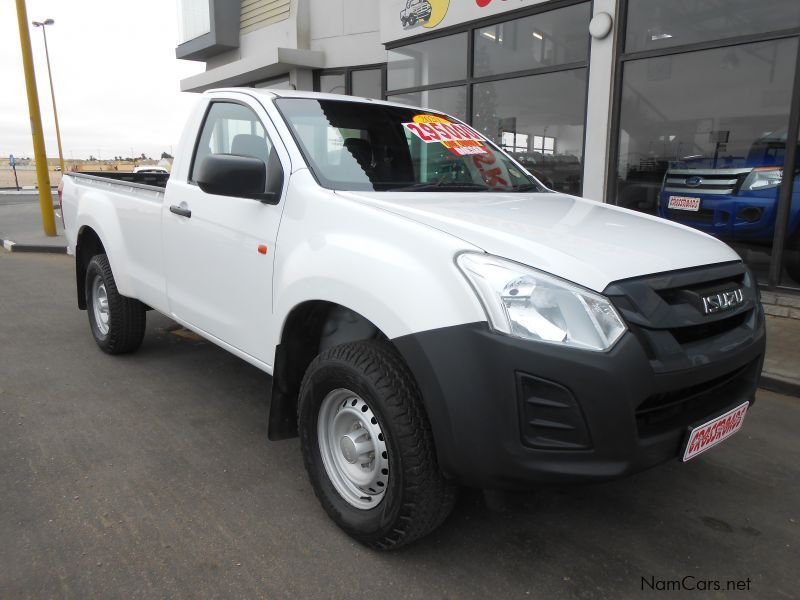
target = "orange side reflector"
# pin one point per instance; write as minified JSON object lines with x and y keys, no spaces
{"x":262,"y":249}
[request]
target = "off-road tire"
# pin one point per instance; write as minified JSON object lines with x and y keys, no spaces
{"x":127,"y":316}
{"x":417,"y":499}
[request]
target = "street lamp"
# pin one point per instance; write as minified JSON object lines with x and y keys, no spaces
{"x":43,"y":25}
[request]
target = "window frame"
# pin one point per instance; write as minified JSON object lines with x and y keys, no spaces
{"x":622,"y":56}
{"x":190,"y":177}
{"x":348,"y":77}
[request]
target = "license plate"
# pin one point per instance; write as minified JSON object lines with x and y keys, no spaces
{"x":684,"y":203}
{"x":710,"y":434}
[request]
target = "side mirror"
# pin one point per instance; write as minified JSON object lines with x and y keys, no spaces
{"x":233,"y":175}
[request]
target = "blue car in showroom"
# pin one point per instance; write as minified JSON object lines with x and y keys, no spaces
{"x":737,"y":204}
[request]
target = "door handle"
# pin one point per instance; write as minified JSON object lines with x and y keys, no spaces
{"x":178,"y":210}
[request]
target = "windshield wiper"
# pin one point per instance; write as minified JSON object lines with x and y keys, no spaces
{"x":441,"y":185}
{"x":529,"y":187}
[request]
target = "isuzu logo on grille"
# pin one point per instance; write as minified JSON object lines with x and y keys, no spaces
{"x":694,"y":181}
{"x":714,"y":303}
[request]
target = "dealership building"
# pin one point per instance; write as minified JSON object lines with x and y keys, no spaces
{"x":686,"y":109}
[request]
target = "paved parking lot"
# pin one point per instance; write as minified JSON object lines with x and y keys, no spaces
{"x":150,"y":476}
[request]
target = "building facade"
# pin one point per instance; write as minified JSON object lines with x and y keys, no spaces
{"x":687,"y":110}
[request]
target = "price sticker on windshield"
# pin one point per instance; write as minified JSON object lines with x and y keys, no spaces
{"x":457,"y":138}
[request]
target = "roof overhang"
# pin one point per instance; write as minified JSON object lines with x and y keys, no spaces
{"x":223,"y":34}
{"x":272,"y":63}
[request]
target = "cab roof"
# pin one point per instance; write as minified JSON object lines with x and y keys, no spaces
{"x":274,"y":93}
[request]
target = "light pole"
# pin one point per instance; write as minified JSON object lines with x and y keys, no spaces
{"x":43,"y":25}
{"x":42,"y":176}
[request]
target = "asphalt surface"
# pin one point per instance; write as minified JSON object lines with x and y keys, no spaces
{"x":21,"y":223}
{"x":10,"y":197}
{"x":150,"y":476}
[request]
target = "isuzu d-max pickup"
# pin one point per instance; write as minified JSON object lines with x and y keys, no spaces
{"x":431,"y":314}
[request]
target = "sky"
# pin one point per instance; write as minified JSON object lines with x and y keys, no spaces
{"x":115,"y":75}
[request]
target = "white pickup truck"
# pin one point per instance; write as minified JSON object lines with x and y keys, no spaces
{"x":431,"y":315}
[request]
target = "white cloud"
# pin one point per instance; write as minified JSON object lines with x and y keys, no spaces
{"x":115,"y":75}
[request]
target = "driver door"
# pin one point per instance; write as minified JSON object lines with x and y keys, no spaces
{"x":219,"y":249}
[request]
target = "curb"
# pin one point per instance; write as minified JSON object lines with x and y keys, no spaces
{"x":774,"y":383}
{"x":11,"y":246}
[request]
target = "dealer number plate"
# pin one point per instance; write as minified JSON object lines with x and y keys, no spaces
{"x":710,"y":434}
{"x":684,"y":203}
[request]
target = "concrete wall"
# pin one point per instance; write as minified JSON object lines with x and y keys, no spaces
{"x":348,"y":31}
{"x":258,"y":37}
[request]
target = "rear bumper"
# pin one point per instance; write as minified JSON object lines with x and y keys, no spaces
{"x":510,"y":413}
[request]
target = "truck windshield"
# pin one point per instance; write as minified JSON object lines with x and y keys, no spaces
{"x":360,"y":146}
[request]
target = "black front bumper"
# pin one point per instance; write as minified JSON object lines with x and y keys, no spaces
{"x":508,"y":413}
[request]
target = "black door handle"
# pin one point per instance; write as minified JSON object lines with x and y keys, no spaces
{"x":184,"y":212}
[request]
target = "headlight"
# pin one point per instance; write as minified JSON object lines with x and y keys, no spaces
{"x":762,"y":178}
{"x":529,"y":304}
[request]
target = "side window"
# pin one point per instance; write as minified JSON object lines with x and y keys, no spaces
{"x":231,"y":129}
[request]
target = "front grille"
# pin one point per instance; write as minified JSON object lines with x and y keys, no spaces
{"x":666,"y":314}
{"x":696,"y":333}
{"x":678,"y":294}
{"x":722,"y":182}
{"x":687,"y":406}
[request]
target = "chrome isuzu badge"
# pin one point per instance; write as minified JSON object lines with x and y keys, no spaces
{"x":714,"y":303}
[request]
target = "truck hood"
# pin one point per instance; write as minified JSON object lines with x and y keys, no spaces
{"x":586,"y":242}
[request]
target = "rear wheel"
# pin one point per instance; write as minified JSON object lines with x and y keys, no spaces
{"x":368,"y":446}
{"x":117,"y":322}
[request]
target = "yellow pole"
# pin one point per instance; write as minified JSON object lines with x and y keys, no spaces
{"x":42,"y":176}
{"x":53,"y":96}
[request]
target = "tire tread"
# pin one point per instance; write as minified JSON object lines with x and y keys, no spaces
{"x":427,"y":498}
{"x":128,"y":316}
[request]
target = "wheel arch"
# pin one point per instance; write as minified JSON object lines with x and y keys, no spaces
{"x":309,"y":328}
{"x":88,"y":245}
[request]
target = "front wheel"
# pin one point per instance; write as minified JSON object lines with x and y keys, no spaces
{"x":368,"y":446}
{"x":117,"y":322}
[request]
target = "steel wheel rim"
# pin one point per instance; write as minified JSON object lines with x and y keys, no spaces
{"x":353,"y":449}
{"x":100,"y":305}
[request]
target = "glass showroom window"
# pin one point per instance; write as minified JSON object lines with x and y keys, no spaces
{"x":194,"y":19}
{"x":540,"y":120}
{"x":543,"y":40}
{"x":332,"y":83}
{"x":526,"y":87}
{"x":427,"y":63}
{"x":544,"y":145}
{"x":702,"y":131}
{"x":654,"y":24}
{"x":452,"y":100}
{"x":366,"y":82}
